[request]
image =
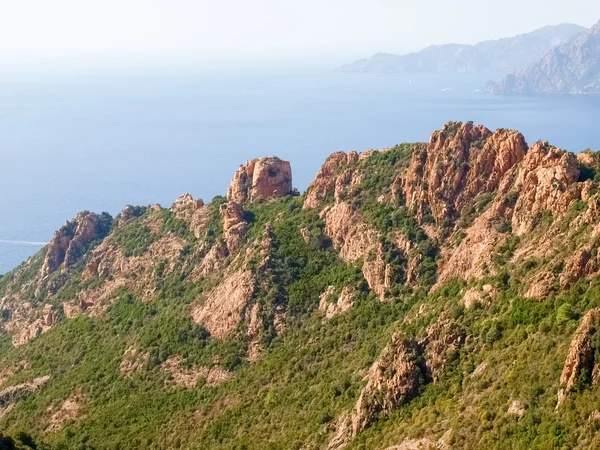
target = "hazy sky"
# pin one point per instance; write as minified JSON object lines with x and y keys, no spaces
{"x":230,"y":31}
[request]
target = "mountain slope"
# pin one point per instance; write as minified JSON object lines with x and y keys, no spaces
{"x":442,"y":293}
{"x":494,"y":55}
{"x":570,"y":68}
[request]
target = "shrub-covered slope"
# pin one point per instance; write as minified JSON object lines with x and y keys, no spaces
{"x":431,"y":295}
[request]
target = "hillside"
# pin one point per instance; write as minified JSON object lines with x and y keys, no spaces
{"x":432,"y":295}
{"x":570,"y":68}
{"x":501,"y":55}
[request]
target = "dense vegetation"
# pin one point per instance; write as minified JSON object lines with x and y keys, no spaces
{"x":312,"y":373}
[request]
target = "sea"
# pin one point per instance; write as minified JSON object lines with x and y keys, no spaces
{"x":72,"y":142}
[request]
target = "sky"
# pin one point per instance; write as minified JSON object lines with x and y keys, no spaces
{"x":229,"y":32}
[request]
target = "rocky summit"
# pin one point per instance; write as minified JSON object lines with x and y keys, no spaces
{"x":443,"y":294}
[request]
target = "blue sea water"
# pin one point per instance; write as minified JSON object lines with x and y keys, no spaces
{"x":74,"y":143}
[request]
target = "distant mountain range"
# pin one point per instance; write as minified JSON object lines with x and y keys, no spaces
{"x":506,"y":54}
{"x":570,"y":68}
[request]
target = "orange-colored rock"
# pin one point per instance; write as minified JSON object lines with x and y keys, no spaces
{"x":580,"y":359}
{"x":442,"y":343}
{"x":68,"y":411}
{"x":353,"y":239}
{"x":188,"y":377}
{"x":473,"y":257}
{"x":69,"y":243}
{"x":261,"y":179}
{"x":581,"y":263}
{"x":342,"y":303}
{"x":394,"y":379}
{"x":460,"y":162}
{"x":194,"y":212}
{"x":132,"y":361}
{"x":223,"y":308}
{"x":546,"y":181}
{"x":127,"y":214}
{"x":232,"y":214}
{"x":325,"y":182}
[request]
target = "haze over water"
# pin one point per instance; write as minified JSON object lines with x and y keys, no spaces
{"x":69,"y":144}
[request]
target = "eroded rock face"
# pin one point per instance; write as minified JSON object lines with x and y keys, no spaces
{"x":194,"y":212}
{"x":403,"y":367}
{"x":394,"y":379}
{"x":546,"y":181}
{"x":68,"y":410}
{"x":131,"y":212}
{"x":261,"y":179}
{"x":580,"y":363}
{"x":222,"y":310}
{"x":342,"y":303}
{"x":325,"y":182}
{"x":232,"y":214}
{"x":444,"y":339}
{"x":461,"y":162}
{"x":71,"y":241}
{"x":27,"y":322}
{"x":12,"y":395}
{"x":354,"y":239}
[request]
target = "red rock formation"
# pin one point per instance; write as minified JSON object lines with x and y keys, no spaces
{"x":343,"y":302}
{"x":461,"y":161}
{"x":580,"y":359}
{"x":444,"y":339}
{"x":127,"y":214}
{"x":546,"y":181}
{"x":261,"y":179}
{"x":194,"y":212}
{"x":354,"y":239}
{"x":325,"y":181}
{"x":394,"y":380}
{"x":71,"y":241}
{"x":232,"y":214}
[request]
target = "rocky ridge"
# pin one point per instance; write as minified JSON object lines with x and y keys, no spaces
{"x":495,"y":55}
{"x":460,"y":220}
{"x":570,"y":68}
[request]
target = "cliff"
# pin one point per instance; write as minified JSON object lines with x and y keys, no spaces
{"x":570,"y":68}
{"x":441,"y":293}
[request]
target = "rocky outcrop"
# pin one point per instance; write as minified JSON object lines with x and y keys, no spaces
{"x":473,"y":258}
{"x":71,"y":241}
{"x":394,"y":379}
{"x":570,"y":68}
{"x":222,"y":311}
{"x":441,"y":345}
{"x":28,"y":322}
{"x":234,"y":225}
{"x":580,"y":365}
{"x":483,"y":296}
{"x":332,"y":305}
{"x":324,"y":184}
{"x":354,"y":240}
{"x":261,"y":179}
{"x":12,"y":395}
{"x":546,"y":181}
{"x":131,"y":212}
{"x":194,"y":212}
{"x":397,"y":376}
{"x":108,"y":261}
{"x":461,"y":161}
{"x":67,"y":411}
